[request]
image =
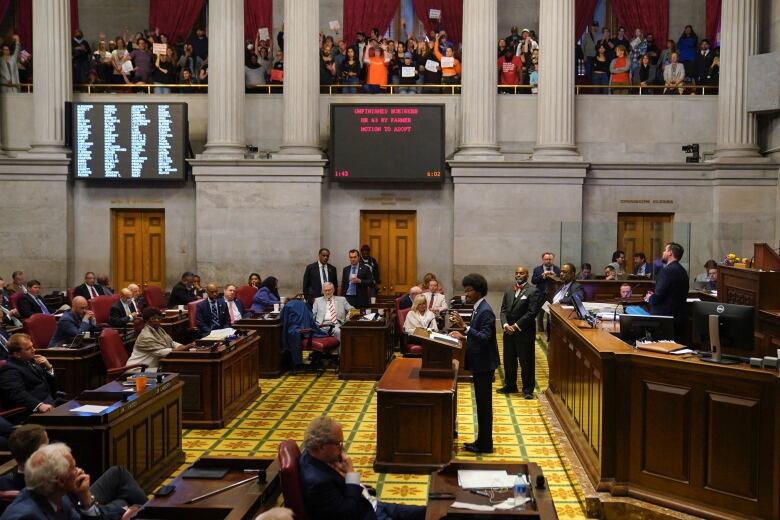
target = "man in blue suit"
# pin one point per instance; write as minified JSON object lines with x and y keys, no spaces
{"x":212,"y":312}
{"x":542,"y":276}
{"x":77,"y":320}
{"x":481,"y":357}
{"x":671,"y":289}
{"x":331,"y":486}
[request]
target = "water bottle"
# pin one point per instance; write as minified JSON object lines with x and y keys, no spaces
{"x":521,"y":490}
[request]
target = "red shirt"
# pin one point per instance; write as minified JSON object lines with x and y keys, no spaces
{"x":509,"y":70}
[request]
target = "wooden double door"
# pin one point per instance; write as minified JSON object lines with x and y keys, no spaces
{"x":646,"y":233}
{"x":392,"y":236}
{"x":138,"y":247}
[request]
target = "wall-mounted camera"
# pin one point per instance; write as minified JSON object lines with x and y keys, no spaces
{"x":692,"y":149}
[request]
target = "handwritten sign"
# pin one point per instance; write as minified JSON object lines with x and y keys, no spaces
{"x":447,"y":63}
{"x":432,"y":66}
{"x":434,"y":14}
{"x":159,"y":48}
{"x":262,"y":33}
{"x":334,"y":25}
{"x":407,"y":72}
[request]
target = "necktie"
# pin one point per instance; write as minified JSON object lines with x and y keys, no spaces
{"x":230,"y":310}
{"x":127,"y":309}
{"x":92,"y":291}
{"x":430,"y":304}
{"x":324,"y":274}
{"x":214,"y":315}
{"x":331,"y":311}
{"x":42,"y":305}
{"x":3,"y":341}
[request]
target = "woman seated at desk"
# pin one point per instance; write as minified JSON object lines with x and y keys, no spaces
{"x":153,"y":342}
{"x":420,"y":316}
{"x":267,"y":295}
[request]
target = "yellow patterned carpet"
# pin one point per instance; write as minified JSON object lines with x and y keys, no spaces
{"x":521,"y":431}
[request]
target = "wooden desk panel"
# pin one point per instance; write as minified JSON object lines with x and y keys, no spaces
{"x":366,"y":348}
{"x":769,"y":332}
{"x":142,"y":434}
{"x":177,"y":327}
{"x":218,"y":384}
{"x":270,"y":330}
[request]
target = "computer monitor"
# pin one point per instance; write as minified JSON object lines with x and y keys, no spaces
{"x":582,"y":312}
{"x":734,"y":325}
{"x":635,"y":327}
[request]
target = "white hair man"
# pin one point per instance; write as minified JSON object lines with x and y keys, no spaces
{"x":330,"y":309}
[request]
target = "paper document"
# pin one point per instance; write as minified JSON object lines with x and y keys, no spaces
{"x":127,"y":67}
{"x":691,"y":300}
{"x":262,"y":33}
{"x":159,"y":48}
{"x":432,"y":66}
{"x":484,"y":479}
{"x":90,"y":408}
{"x":407,"y":72}
{"x":220,"y":334}
{"x":445,"y":338}
{"x":368,"y":317}
{"x":334,"y":25}
{"x":434,"y":14}
{"x":447,"y":62}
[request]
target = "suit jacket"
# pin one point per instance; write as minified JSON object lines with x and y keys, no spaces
{"x":29,"y":505}
{"x":541,"y":283}
{"x":326,"y":496}
{"x":28,"y":306}
{"x":574,"y":288}
{"x":181,"y":295}
{"x":4,"y":344}
{"x":82,"y":290}
{"x":521,"y":310}
{"x":701,"y":66}
{"x":13,"y":481}
{"x":203,"y":316}
{"x":312,"y":286}
{"x":117,"y":317}
{"x":320,"y":309}
{"x":372,"y":264}
{"x":68,"y":327}
{"x":25,"y":384}
{"x":241,"y":309}
{"x":439,"y":301}
{"x":405,"y":302}
{"x":671,"y":291}
{"x":366,"y":280}
{"x":481,"y":343}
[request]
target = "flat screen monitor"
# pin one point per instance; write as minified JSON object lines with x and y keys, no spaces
{"x":387,"y":143}
{"x":735,"y":325}
{"x":582,"y":312}
{"x":137,"y":142}
{"x":635,"y":327}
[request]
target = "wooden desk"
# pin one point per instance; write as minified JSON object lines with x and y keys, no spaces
{"x":177,"y":326}
{"x":769,"y":335}
{"x":446,"y":481}
{"x":270,"y":331}
{"x":415,"y":419}
{"x":696,"y":437}
{"x":218,"y":384}
{"x":366,"y":347}
{"x":142,"y":434}
{"x":609,"y":290}
{"x":240,"y":503}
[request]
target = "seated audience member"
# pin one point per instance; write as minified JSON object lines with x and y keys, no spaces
{"x":625,"y":291}
{"x":6,"y":307}
{"x":674,"y":76}
{"x":31,"y":302}
{"x":420,"y":316}
{"x":619,"y":263}
{"x":137,"y":302}
{"x":641,"y":268}
{"x":266,"y":296}
{"x":121,"y":313}
{"x":586,"y":272}
{"x":235,"y":307}
{"x":408,"y":299}
{"x":89,"y":289}
{"x":27,"y":379}
{"x":331,"y":310}
{"x":712,"y":283}
{"x":609,"y":273}
{"x":197,"y":288}
{"x":702,"y":280}
{"x":153,"y":342}
{"x":437,"y":302}
{"x":331,"y":486}
{"x":77,"y":320}
{"x":427,"y":277}
{"x":254,"y":280}
{"x":105,"y":283}
{"x":211,"y":313}
{"x":18,"y":283}
{"x":184,"y":291}
{"x":114,"y":491}
{"x":570,"y":287}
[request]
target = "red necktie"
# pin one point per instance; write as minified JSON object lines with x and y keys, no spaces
{"x":331,"y":311}
{"x":230,"y":310}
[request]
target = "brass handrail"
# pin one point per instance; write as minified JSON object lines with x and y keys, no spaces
{"x":639,"y":89}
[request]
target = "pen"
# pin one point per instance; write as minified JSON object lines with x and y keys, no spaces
{"x":481,"y":492}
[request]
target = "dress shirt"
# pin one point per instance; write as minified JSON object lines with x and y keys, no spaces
{"x":352,"y":288}
{"x":44,"y":309}
{"x":476,"y":304}
{"x":560,"y":294}
{"x":233,"y":311}
{"x":323,"y":269}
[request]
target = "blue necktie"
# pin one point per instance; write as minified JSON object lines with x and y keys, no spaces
{"x":352,"y":291}
{"x":42,"y":305}
{"x":3,"y":340}
{"x":214,"y":315}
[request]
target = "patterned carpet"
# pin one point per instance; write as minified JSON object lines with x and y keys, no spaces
{"x":521,"y":431}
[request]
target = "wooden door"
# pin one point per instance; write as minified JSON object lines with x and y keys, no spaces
{"x":647,"y":233}
{"x":138,"y":247}
{"x":392,"y":237}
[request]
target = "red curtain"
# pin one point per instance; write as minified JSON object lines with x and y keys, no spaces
{"x":175,"y":18}
{"x":652,"y":16}
{"x":24,"y":20}
{"x":583,"y":15}
{"x":451,"y":17}
{"x":363,"y":15}
{"x":713,"y":21}
{"x":257,"y":14}
{"x":4,"y":5}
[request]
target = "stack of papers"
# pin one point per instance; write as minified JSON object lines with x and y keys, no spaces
{"x":220,"y":334}
{"x":484,"y":479}
{"x":438,"y":336}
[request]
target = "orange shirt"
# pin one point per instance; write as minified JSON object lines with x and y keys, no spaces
{"x":447,"y":71}
{"x":621,"y":77}
{"x":377,"y":71}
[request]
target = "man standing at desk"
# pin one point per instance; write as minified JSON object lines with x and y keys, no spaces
{"x":481,"y":357}
{"x":356,"y":281}
{"x":317,"y":274}
{"x":671,"y":289}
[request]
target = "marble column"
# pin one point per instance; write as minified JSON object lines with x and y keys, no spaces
{"x":737,"y":129}
{"x":226,"y":80}
{"x":478,"y":98}
{"x":53,"y":82}
{"x":301,"y":133}
{"x":555,"y":139}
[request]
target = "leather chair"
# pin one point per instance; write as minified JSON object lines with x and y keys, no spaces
{"x":246,"y":294}
{"x":15,"y":299}
{"x":114,"y":354}
{"x":407,"y":349}
{"x":71,"y":293}
{"x":41,"y":328}
{"x":191,"y":311}
{"x":324,"y":348}
{"x":298,"y":319}
{"x":101,"y":306}
{"x":154,"y":297}
{"x":289,"y":455}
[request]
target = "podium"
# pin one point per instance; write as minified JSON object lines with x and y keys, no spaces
{"x":437,"y":354}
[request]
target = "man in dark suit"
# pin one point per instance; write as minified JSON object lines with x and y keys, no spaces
{"x":235,"y":307}
{"x":137,"y":303}
{"x":570,"y":286}
{"x":212,"y":312}
{"x":356,"y":280}
{"x":31,"y":302}
{"x":671,"y":289}
{"x":3,"y":344}
{"x":543,"y":273}
{"x":183,"y":292}
{"x":316,"y":274}
{"x":78,"y":320}
{"x":27,"y":379}
{"x":408,"y":299}
{"x":481,"y":357}
{"x":121,"y":313}
{"x":331,"y":486}
{"x":90,"y":288}
{"x":370,"y":262}
{"x":519,"y":307}
{"x":703,"y":62}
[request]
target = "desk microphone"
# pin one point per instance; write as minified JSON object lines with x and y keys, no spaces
{"x":539,"y":481}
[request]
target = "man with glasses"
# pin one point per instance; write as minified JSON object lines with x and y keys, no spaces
{"x":331,"y":486}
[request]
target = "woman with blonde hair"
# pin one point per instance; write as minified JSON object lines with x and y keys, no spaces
{"x":420,"y":316}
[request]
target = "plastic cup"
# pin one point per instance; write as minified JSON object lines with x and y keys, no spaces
{"x":276,"y":307}
{"x":140,"y":383}
{"x":181,"y":307}
{"x":373,"y":300}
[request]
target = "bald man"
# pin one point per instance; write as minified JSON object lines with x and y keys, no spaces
{"x":137,"y":302}
{"x":121,"y":313}
{"x":519,"y":307}
{"x":211,"y":313}
{"x":406,"y":301}
{"x":78,"y":320}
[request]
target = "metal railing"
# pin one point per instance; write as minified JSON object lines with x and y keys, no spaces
{"x":646,"y":89}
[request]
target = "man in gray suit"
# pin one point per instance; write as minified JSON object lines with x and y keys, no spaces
{"x":519,"y":307}
{"x":330,"y":309}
